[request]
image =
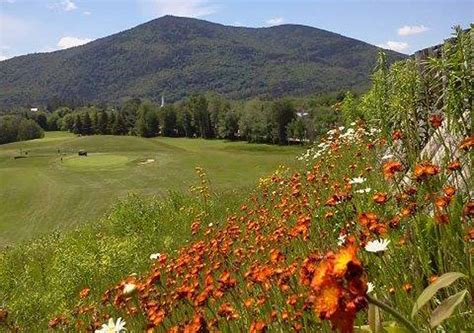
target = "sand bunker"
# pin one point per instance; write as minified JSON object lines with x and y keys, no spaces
{"x":148,"y":161}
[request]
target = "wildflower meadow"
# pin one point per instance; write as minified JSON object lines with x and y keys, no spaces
{"x":372,"y":231}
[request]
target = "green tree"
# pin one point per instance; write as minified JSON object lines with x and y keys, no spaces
{"x":349,"y":109}
{"x":168,"y":121}
{"x":283,"y":113}
{"x":147,"y":124}
{"x":229,"y":125}
{"x":28,"y":129}
{"x":77,"y":128}
{"x":52,"y":122}
{"x":198,"y":106}
{"x":297,"y":129}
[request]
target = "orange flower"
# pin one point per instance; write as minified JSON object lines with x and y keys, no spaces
{"x":197,"y":325}
{"x":424,"y":170}
{"x":380,"y":197}
{"x":441,"y":218}
{"x":248,"y":302}
{"x":390,"y":168}
{"x":441,"y":202}
{"x":397,"y":135}
{"x":433,"y":279}
{"x":195,"y":227}
{"x":84,"y":292}
{"x":226,"y":281}
{"x":3,"y":315}
{"x":339,"y":290}
{"x":258,"y":327}
{"x":467,"y":143}
{"x":454,"y":165}
{"x":227,"y":311}
{"x":469,"y":235}
{"x":468,"y":209}
{"x":343,"y":258}
{"x":407,"y":287}
{"x":436,"y":120}
{"x":327,"y":301}
{"x":449,"y":191}
{"x":321,"y":274}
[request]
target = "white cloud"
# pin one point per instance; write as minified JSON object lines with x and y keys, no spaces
{"x":68,"y":5}
{"x":87,"y":13}
{"x":395,"y":46}
{"x":408,"y":30}
{"x":275,"y":21}
{"x":69,"y":41}
{"x":187,"y":8}
{"x":2,"y":57}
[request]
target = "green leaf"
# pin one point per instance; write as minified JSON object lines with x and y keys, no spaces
{"x":446,"y":308}
{"x":442,"y":282}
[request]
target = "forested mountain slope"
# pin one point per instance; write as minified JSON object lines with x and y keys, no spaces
{"x":176,"y":56}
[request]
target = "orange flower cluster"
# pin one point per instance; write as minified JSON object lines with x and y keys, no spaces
{"x":339,"y":288}
{"x":467,"y":143}
{"x":269,"y":266}
{"x":424,"y":170}
{"x":390,"y":168}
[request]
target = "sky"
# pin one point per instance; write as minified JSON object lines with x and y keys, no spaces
{"x":28,"y":26}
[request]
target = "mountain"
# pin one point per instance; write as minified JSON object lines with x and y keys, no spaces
{"x":176,"y":56}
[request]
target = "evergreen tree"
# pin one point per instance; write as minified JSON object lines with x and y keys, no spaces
{"x":130,"y":111}
{"x":94,"y":122}
{"x":102,"y":123}
{"x":87,"y":124}
{"x":111,"y":122}
{"x":119,"y":126}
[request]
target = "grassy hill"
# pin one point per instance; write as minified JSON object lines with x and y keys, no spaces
{"x":41,"y":193}
{"x":175,"y":56}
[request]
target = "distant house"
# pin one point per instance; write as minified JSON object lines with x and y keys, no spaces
{"x":34,"y":109}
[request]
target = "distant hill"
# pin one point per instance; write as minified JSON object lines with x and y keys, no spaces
{"x":176,"y":56}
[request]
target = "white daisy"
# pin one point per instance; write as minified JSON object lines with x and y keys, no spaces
{"x":155,"y":256}
{"x":370,"y":287}
{"x":364,"y":190}
{"x":111,"y":327}
{"x":377,"y":245}
{"x":341,"y":239}
{"x":386,"y":157}
{"x":357,"y":180}
{"x":129,"y":288}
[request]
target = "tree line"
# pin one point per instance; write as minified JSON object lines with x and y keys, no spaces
{"x":205,"y":116}
{"x":18,"y":128}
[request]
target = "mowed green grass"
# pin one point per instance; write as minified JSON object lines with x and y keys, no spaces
{"x":41,"y":193}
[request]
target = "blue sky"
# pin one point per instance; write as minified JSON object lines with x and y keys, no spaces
{"x":28,"y":26}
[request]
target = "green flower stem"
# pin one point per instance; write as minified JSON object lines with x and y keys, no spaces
{"x":393,"y":312}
